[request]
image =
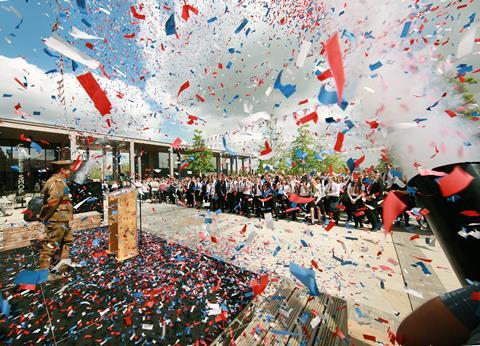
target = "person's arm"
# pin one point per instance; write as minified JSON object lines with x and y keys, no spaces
{"x":432,"y":324}
{"x":54,"y":197}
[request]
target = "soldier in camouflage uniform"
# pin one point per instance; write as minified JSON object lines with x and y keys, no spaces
{"x":56,"y":213}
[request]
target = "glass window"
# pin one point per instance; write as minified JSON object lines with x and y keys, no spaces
{"x":50,"y":155}
{"x":6,"y":173}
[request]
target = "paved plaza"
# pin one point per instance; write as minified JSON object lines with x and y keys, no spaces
{"x":378,"y":275}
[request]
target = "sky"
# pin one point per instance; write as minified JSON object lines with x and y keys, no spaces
{"x":230,"y":54}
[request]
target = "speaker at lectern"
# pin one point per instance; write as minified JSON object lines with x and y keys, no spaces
{"x":122,"y":223}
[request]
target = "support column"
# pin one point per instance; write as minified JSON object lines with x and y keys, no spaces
{"x":73,"y":145}
{"x":139,"y":166}
{"x":250,"y":165}
{"x":131,"y":155}
{"x":217,"y":164}
{"x":115,"y":163}
{"x":170,"y":161}
{"x":236,"y":165}
{"x":179,"y":164}
{"x":104,"y":163}
{"x":243,"y":166}
{"x":231,"y":166}
{"x":221,"y":163}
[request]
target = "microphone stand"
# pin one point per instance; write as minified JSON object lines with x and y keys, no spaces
{"x":138,"y":187}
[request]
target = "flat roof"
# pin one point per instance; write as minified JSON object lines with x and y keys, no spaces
{"x":27,"y":126}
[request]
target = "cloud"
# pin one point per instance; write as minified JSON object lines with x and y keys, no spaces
{"x":130,"y":114}
{"x":394,"y":95}
{"x":201,"y":56}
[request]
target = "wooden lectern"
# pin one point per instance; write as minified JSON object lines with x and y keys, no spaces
{"x":122,"y":223}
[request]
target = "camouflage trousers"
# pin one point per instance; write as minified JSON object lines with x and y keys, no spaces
{"x":58,"y":235}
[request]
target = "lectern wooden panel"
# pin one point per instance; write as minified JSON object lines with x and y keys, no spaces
{"x":122,"y":223}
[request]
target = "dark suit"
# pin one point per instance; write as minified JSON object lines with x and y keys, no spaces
{"x":220,"y":192}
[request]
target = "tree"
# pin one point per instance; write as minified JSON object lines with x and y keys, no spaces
{"x":334,"y":160}
{"x":199,"y":157}
{"x":469,"y":98}
{"x":302,"y":154}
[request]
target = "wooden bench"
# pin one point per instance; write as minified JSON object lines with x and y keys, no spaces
{"x":20,"y":234}
{"x":285,"y":318}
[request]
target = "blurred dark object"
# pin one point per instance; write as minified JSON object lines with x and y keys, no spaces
{"x":34,"y":207}
{"x":446,"y":219}
{"x":90,"y":193}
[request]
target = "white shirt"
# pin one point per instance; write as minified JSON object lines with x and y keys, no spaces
{"x":334,"y":189}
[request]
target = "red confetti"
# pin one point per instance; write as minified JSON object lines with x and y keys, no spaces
{"x":95,"y":92}
{"x":192,"y":119}
{"x":426,"y":260}
{"x":176,"y":143}
{"x":452,"y":114}
{"x":470,"y":213}
{"x":370,"y":337}
{"x":258,"y":286}
{"x":454,"y":182}
{"x":309,"y":117}
{"x":24,"y":139}
{"x":415,"y":236}
{"x":334,"y":57}
{"x":21,"y":84}
{"x":186,"y":11}
{"x":359,"y":161}
{"x":244,"y":230}
{"x":267,"y":150}
{"x":201,"y":99}
{"x":136,"y":14}
{"x":330,"y":225}
{"x":339,"y":142}
{"x":325,"y":75}
{"x":392,"y":208}
{"x":300,"y":200}
{"x":184,"y":86}
{"x":475,"y":295}
{"x":303,"y":102}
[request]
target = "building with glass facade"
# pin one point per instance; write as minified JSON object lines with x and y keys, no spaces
{"x":27,"y":148}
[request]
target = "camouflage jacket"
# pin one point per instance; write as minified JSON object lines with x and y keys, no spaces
{"x":57,"y":205}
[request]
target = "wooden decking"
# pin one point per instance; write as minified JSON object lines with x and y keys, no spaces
{"x":289,"y":317}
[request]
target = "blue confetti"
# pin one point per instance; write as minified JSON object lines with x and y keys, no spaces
{"x":31,"y":277}
{"x":241,"y":26}
{"x":5,"y":308}
{"x":351,"y":165}
{"x":406,"y":29}
{"x":287,"y":90}
{"x":82,"y":6}
{"x":170,"y":28}
{"x":50,"y":54}
{"x":375,"y":66}
{"x":306,"y":277}
{"x":330,"y":97}
{"x":423,"y":267}
{"x":84,"y":21}
{"x":36,"y":146}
